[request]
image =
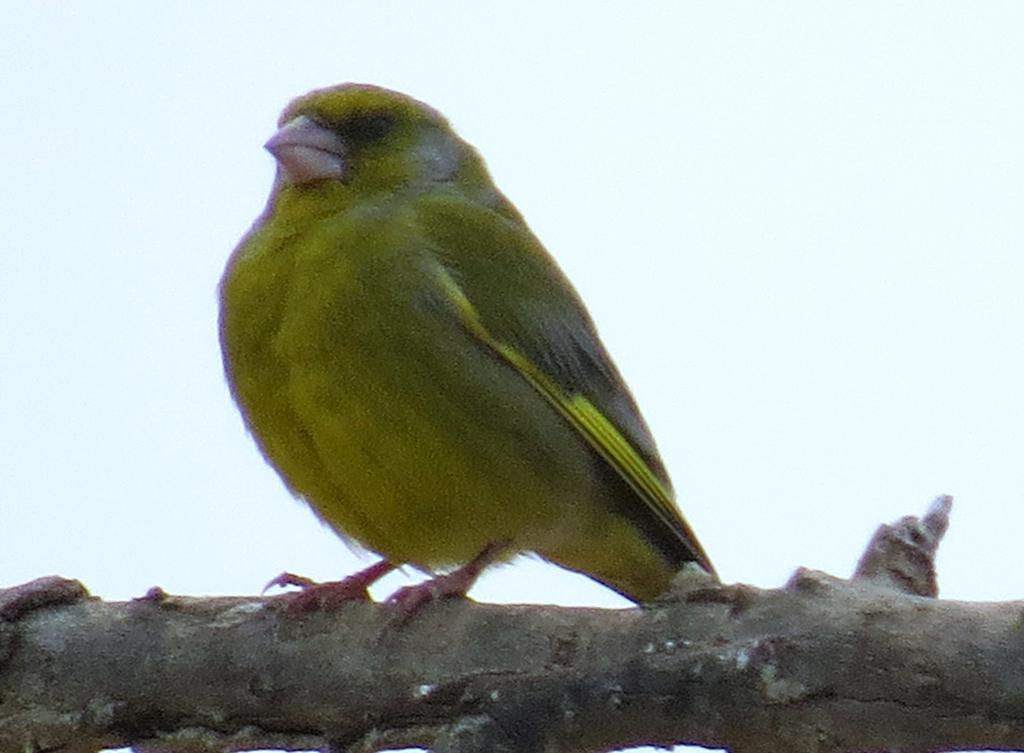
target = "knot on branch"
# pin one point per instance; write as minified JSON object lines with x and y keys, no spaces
{"x":901,"y":556}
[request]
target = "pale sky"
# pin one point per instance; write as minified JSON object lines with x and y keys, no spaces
{"x":798,"y":226}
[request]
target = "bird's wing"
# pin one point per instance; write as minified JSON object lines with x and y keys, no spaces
{"x":541,"y":330}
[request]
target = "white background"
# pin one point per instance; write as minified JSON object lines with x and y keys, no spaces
{"x":798,"y":226}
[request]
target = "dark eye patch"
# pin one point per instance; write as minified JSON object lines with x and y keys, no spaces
{"x":366,"y":128}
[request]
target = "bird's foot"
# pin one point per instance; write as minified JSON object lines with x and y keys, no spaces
{"x":315,"y":596}
{"x":411,"y":599}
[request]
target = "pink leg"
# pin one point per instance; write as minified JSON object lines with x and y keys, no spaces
{"x":411,"y":599}
{"x":315,"y":596}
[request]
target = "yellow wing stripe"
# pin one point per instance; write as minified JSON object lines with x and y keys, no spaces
{"x":579,"y":411}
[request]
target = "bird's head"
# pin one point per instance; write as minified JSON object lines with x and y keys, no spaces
{"x":371,"y":141}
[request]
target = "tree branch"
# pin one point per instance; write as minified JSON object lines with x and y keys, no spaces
{"x":819,"y":665}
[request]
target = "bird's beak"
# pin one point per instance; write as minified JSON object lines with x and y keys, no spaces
{"x":307,"y":151}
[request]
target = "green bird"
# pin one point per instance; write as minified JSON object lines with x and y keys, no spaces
{"x":419,"y":370}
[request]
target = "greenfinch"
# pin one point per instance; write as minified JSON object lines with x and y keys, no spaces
{"x":418,"y":369}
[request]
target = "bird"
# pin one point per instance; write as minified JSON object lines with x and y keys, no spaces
{"x":418,"y":369}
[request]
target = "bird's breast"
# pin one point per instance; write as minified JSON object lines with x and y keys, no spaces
{"x":399,"y":428}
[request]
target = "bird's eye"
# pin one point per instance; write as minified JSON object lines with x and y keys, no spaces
{"x":367,"y":128}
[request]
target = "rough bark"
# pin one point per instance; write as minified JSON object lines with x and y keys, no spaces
{"x":822,"y":664}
